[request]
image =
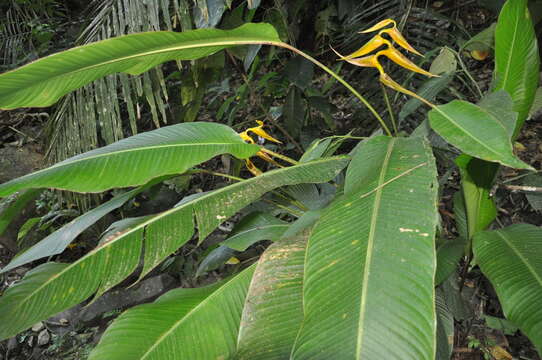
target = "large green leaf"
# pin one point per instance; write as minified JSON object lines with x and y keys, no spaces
{"x":368,"y":285}
{"x":511,"y":258}
{"x":137,"y":159}
{"x":195,"y":324}
{"x":47,"y":292}
{"x":274,"y":305}
{"x":517,"y":61}
{"x":475,"y":131}
{"x":43,"y":82}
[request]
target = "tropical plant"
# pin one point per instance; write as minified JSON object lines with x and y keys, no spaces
{"x":352,"y":277}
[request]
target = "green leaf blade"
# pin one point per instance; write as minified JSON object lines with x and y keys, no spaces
{"x":517,"y":61}
{"x":168,"y":150}
{"x":363,"y":300}
{"x":474,"y":131}
{"x":511,"y":259}
{"x":44,"y":81}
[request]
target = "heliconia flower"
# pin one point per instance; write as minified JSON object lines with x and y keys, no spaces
{"x":361,"y":57}
{"x":252,"y":168}
{"x":371,"y":45}
{"x":258,"y":130}
{"x":394,"y":33}
{"x":397,"y":57}
{"x":366,"y":61}
{"x":380,"y":25}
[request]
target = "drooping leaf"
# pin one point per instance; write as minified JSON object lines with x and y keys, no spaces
{"x":43,"y":82}
{"x":12,"y":206}
{"x":368,"y":286}
{"x":517,"y":61}
{"x":57,"y":242}
{"x":477,"y":178}
{"x":511,"y":258}
{"x":168,"y":150}
{"x":273,"y":309}
{"x":198,"y":324}
{"x":48,"y":292}
{"x":474,"y":131}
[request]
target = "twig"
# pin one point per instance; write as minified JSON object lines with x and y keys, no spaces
{"x":515,"y":188}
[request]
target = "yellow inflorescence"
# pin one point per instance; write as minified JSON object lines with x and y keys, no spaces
{"x":259,"y":131}
{"x":362,"y":58}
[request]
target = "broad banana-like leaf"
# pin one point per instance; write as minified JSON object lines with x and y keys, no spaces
{"x":517,"y":61}
{"x":273,"y":309}
{"x":43,"y":82}
{"x":368,"y":289}
{"x":511,"y":258}
{"x":137,"y":159}
{"x":57,"y":242}
{"x":475,"y":131}
{"x":477,"y":178}
{"x":45,"y":292}
{"x":195,"y":324}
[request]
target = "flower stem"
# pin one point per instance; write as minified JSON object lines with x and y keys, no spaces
{"x":339,"y":79}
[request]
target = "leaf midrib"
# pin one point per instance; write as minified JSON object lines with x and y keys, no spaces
{"x":370,"y":245}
